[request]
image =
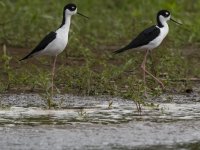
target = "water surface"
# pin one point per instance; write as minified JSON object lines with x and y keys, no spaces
{"x":89,"y":123}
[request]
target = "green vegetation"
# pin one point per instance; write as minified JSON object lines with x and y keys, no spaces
{"x":88,"y":66}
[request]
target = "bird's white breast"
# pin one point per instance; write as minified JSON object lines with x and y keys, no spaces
{"x":58,"y":44}
{"x":158,"y":40}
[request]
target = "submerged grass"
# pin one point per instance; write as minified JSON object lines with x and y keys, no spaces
{"x":88,"y":66}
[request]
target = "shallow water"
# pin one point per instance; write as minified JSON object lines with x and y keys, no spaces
{"x":119,"y":113}
{"x":88,"y":123}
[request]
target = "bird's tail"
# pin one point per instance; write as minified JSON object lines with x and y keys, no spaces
{"x":26,"y":57}
{"x":119,"y":51}
{"x":122,"y":49}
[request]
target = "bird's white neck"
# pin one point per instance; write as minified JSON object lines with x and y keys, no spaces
{"x":165,"y":25}
{"x":66,"y":24}
{"x":164,"y":29}
{"x":162,"y":22}
{"x":63,"y":31}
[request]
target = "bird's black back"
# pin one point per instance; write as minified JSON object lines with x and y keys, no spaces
{"x":46,"y":40}
{"x":142,"y":39}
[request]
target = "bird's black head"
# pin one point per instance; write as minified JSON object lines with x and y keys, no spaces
{"x":69,"y":10}
{"x":70,"y":7}
{"x":163,"y":16}
{"x":164,"y":13}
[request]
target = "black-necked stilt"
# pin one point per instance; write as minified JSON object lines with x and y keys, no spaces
{"x":150,"y":39}
{"x":55,"y":42}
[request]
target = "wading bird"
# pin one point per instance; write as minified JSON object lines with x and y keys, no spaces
{"x":55,"y":42}
{"x":149,"y":39}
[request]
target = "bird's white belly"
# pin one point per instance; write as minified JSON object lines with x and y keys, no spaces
{"x":55,"y":47}
{"x":157,"y":41}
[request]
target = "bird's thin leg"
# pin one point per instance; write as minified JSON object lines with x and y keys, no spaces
{"x":152,"y":64}
{"x":144,"y":69}
{"x":53,"y":74}
{"x":162,"y":85}
{"x":143,"y":66}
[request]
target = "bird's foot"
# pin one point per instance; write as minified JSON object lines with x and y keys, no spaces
{"x":162,"y":85}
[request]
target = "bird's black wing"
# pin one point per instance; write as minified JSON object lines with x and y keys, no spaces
{"x":46,"y":40}
{"x":142,"y":39}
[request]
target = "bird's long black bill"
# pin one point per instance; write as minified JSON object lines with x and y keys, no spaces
{"x":82,"y":15}
{"x":175,"y":21}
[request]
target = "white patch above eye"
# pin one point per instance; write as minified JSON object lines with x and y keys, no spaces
{"x":167,"y":13}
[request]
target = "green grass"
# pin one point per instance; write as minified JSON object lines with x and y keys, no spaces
{"x":87,"y":66}
{"x":115,"y":20}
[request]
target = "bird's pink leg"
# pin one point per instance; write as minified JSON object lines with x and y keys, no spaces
{"x":144,"y":70}
{"x":162,"y":85}
{"x":53,"y":74}
{"x":143,"y":66}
